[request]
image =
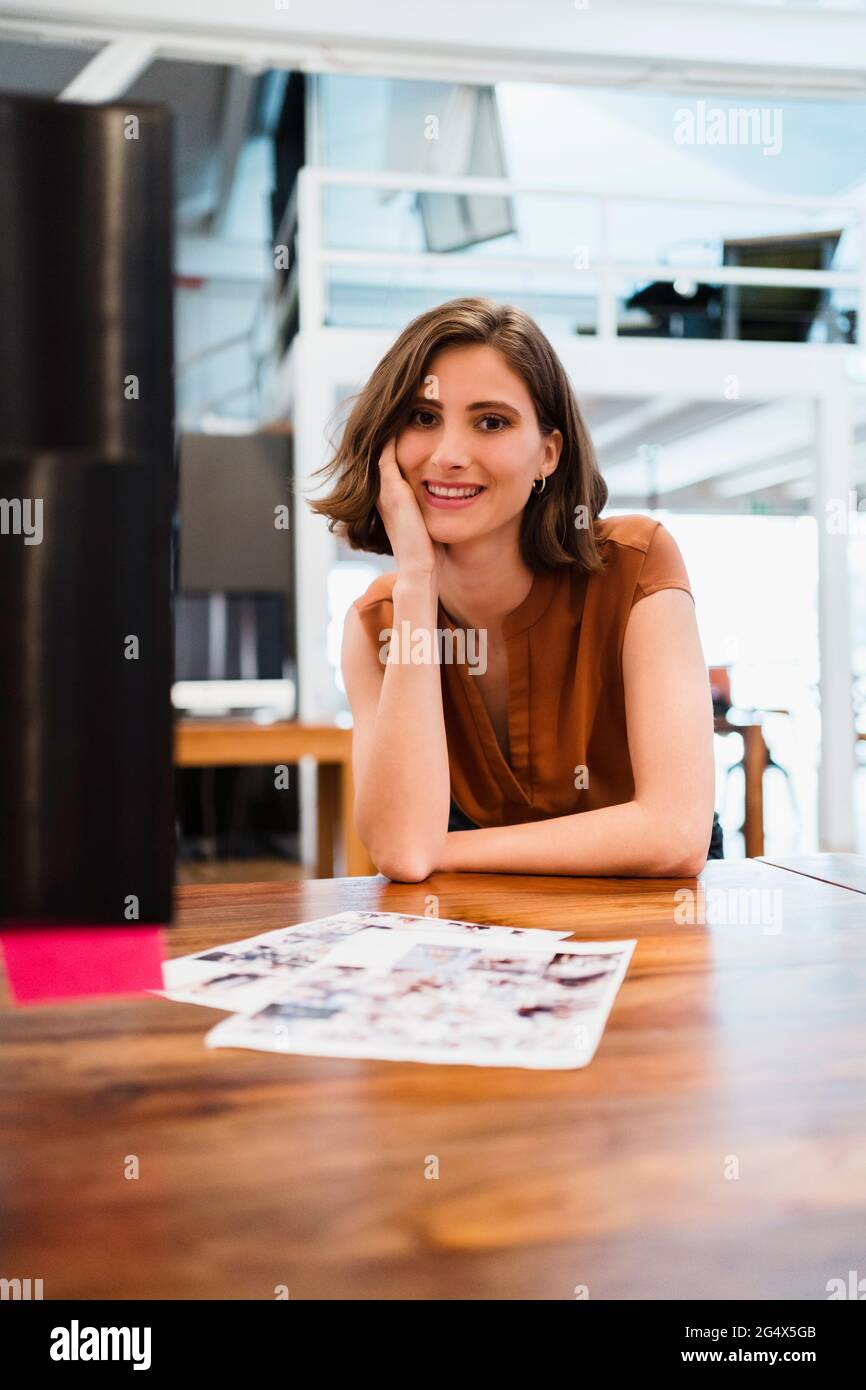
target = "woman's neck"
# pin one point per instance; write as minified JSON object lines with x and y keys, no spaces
{"x":479,"y":585}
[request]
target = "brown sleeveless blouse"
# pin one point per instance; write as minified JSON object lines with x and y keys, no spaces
{"x":566,"y":703}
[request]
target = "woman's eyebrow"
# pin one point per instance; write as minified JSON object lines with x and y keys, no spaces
{"x":476,"y":405}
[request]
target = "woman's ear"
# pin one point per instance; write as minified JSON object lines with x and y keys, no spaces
{"x":552,"y":450}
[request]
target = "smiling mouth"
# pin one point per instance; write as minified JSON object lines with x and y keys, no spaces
{"x":455,"y":492}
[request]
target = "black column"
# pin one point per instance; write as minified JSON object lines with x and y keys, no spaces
{"x":86,"y":499}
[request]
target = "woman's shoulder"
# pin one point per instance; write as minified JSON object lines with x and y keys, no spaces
{"x":641,"y":554}
{"x":379,"y":591}
{"x":633,"y":530}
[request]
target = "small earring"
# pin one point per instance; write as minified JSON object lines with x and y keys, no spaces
{"x":539,"y":490}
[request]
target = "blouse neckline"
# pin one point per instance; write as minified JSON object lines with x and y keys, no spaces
{"x":533,"y":607}
{"x":508,"y":771}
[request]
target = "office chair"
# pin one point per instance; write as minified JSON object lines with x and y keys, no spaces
{"x":720,"y":685}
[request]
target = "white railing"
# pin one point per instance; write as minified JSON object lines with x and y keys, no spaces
{"x":304,"y":218}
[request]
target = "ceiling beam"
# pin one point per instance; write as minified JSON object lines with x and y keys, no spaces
{"x":235,"y":120}
{"x":655,"y":44}
{"x":716,"y":449}
{"x":111,"y":72}
{"x":635,"y":420}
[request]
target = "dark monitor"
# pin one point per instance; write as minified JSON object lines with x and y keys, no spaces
{"x":233,"y":495}
{"x":773,"y":313}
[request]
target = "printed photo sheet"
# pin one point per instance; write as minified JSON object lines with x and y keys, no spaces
{"x":523,"y":1000}
{"x":244,"y":976}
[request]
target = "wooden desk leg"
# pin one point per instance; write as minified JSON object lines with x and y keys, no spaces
{"x":327,"y":817}
{"x":355,"y":857}
{"x":754,"y":763}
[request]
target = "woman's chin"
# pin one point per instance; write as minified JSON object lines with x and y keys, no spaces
{"x":447,"y":530}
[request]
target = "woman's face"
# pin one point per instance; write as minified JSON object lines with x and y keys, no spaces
{"x":472,"y":445}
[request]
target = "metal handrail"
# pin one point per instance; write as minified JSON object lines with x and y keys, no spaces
{"x":304,"y":217}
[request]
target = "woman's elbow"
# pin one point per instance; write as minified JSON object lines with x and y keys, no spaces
{"x":403,"y":868}
{"x":405,"y":862}
{"x":689,"y":867}
{"x":686,"y":851}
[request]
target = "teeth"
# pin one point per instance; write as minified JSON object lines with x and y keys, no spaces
{"x":439,"y":491}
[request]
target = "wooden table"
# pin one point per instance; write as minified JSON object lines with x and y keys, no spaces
{"x":845,"y":870}
{"x":729,"y":1045}
{"x":243,"y":743}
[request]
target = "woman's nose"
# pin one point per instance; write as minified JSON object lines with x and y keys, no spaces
{"x":452,"y":450}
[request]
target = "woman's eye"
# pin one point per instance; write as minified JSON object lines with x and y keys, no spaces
{"x":426,"y":419}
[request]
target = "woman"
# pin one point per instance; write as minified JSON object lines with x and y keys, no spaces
{"x":528,"y":688}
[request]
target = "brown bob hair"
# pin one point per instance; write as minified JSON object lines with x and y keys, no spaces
{"x":549,"y":533}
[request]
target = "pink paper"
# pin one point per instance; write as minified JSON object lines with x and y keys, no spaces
{"x":77,"y":962}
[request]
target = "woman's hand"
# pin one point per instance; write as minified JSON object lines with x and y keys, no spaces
{"x":414,"y":549}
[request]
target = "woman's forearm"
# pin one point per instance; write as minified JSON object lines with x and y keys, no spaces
{"x":403,"y":800}
{"x":629,"y":840}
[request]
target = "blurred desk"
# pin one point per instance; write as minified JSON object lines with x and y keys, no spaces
{"x":244,"y":743}
{"x":726,"y":1039}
